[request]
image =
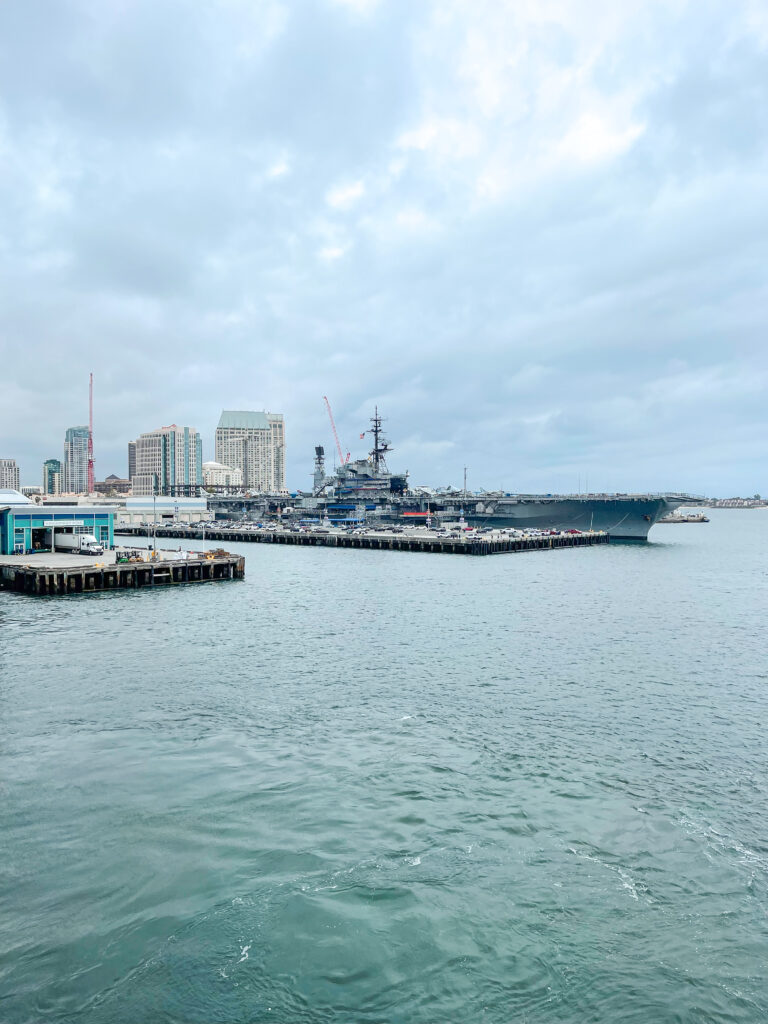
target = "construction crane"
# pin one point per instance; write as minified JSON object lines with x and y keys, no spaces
{"x":342,"y":460}
{"x":91,"y":478}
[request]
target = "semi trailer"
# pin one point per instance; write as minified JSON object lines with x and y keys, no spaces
{"x":79,"y":543}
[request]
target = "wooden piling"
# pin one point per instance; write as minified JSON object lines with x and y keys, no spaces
{"x":467,"y":545}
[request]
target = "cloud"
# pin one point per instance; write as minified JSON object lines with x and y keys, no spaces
{"x":343,"y":196}
{"x":534,"y":232}
{"x":332,"y":252}
{"x":447,"y":138}
{"x":357,"y":6}
{"x":591,"y":138}
{"x":279,"y":169}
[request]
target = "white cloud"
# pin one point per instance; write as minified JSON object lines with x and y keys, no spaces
{"x":414,"y":219}
{"x":705,"y":386}
{"x":331,"y":253}
{"x":344,"y":196}
{"x":400,"y":225}
{"x":259,"y":24}
{"x":279,"y":169}
{"x":446,"y":137}
{"x":51,"y":196}
{"x":358,"y":6}
{"x":516,"y":89}
{"x":756,"y":21}
{"x":592,"y":138}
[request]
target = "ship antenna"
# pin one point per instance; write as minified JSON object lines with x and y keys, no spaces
{"x":380,"y":444}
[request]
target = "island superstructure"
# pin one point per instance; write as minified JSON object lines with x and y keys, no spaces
{"x":363,"y":479}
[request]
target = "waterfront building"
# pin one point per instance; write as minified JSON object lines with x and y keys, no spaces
{"x":52,"y":476}
{"x":163,"y":510}
{"x":75,"y":460}
{"x":9,"y":474}
{"x":31,"y":490}
{"x":131,"y":460}
{"x":25,"y":526}
{"x":169,"y":461}
{"x":113,"y":485}
{"x":217,"y":475}
{"x":254,"y":443}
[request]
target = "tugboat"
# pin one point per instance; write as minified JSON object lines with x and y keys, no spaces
{"x":684,"y":517}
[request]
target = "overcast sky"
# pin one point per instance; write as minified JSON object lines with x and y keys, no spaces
{"x":533,"y":231}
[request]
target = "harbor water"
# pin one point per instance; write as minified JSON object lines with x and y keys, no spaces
{"x":364,"y":786}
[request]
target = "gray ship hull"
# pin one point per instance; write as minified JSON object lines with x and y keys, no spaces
{"x":624,"y":517}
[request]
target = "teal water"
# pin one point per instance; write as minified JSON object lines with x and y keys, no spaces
{"x":379,"y":787}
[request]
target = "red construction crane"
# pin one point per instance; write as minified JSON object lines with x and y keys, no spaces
{"x":342,"y":460}
{"x":91,"y":478}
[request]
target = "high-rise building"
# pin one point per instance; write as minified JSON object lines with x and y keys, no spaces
{"x":254,"y":443}
{"x":9,"y":474}
{"x":75,"y":460}
{"x":131,"y":459}
{"x":168,"y":461}
{"x":52,"y":475}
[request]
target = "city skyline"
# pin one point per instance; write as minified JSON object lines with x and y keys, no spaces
{"x":361,"y":446}
{"x":80,"y":432}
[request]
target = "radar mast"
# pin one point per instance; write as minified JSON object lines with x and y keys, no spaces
{"x":380,"y":444}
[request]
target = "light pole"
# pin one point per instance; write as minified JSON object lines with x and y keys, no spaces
{"x":154,"y":516}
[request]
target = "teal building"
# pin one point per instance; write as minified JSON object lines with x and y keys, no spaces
{"x":75,"y":476}
{"x":27,"y":527}
{"x":52,"y":477}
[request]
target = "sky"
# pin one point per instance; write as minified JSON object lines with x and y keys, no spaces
{"x":533,"y":232}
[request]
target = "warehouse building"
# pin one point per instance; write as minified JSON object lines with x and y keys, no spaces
{"x":26,"y":526}
{"x":164,"y":511}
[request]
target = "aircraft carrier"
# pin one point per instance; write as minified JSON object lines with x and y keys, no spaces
{"x":365,"y":488}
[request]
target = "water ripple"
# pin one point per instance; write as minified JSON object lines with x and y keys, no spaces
{"x":375,"y":789}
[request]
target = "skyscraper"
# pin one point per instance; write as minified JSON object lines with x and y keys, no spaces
{"x":52,"y":474}
{"x":169,"y":461}
{"x":9,"y":474}
{"x":76,"y":460}
{"x":131,"y":459}
{"x":254,"y":443}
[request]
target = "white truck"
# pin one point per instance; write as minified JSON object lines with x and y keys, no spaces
{"x":79,"y":543}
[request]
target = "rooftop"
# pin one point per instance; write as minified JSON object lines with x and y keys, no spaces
{"x":10,"y":497}
{"x":240,"y":419}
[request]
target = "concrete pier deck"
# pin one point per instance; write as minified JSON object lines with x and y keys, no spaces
{"x":486,"y":544}
{"x":49,"y":573}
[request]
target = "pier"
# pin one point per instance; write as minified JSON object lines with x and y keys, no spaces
{"x":495,"y":544}
{"x":47,"y":575}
